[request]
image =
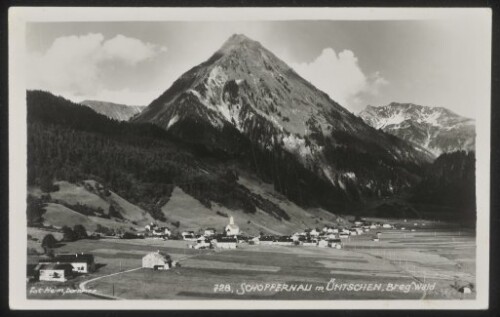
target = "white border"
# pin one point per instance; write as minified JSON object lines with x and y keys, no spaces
{"x":19,"y":16}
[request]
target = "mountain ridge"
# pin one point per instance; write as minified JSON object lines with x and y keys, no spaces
{"x":437,"y":129}
{"x":120,"y":112}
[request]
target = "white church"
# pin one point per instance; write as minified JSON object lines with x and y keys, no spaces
{"x":232,"y":229}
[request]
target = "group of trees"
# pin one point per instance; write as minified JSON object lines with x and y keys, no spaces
{"x":78,"y":232}
{"x":49,"y":242}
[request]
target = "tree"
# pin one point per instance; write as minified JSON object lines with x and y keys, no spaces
{"x":35,"y":210}
{"x":80,"y":232}
{"x":68,"y":234}
{"x":48,"y":242}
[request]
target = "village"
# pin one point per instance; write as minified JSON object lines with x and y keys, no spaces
{"x":64,"y":267}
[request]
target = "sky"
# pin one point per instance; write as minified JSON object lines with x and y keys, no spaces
{"x":357,"y":63}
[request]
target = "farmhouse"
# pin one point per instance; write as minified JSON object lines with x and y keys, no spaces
{"x":188,"y":236}
{"x":81,"y":263}
{"x":232,"y":229}
{"x":162,"y":231}
{"x":314,"y":232}
{"x":209,"y":232}
{"x":255,"y":240}
{"x":309,"y":243}
{"x":285,"y":240}
{"x":157,"y":261}
{"x":343,"y":235}
{"x":335,"y":243}
{"x":58,"y":272}
{"x":267,"y":240}
{"x":152,"y":226}
{"x":322,"y":243}
{"x":226,"y":243}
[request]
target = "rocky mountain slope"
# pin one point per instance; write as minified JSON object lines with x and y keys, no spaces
{"x":113,"y":110}
{"x":437,"y":129}
{"x":244,"y":100}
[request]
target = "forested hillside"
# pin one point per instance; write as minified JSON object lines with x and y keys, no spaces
{"x":140,"y":162}
{"x":450,"y":182}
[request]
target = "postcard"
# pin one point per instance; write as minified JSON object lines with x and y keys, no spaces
{"x":249,"y":158}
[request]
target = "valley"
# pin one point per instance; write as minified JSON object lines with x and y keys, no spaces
{"x":441,"y":258}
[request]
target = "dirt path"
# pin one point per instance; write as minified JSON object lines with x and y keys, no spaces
{"x":100,"y":295}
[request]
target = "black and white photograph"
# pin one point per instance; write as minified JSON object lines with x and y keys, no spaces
{"x":212,"y":157}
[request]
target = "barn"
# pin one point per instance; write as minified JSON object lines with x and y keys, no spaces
{"x":157,"y":261}
{"x":226,"y":243}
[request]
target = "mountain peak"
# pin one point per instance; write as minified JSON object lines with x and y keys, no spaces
{"x":239,"y":41}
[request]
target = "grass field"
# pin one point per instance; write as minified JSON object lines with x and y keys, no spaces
{"x":399,"y":264}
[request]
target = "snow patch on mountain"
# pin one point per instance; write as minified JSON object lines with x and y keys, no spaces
{"x":296,"y":144}
{"x":172,"y":121}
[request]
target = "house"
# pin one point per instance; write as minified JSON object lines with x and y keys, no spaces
{"x":379,"y":234}
{"x":465,"y":289}
{"x":309,"y":243}
{"x":285,"y":240}
{"x":335,"y":243}
{"x":201,"y":243}
{"x":188,"y":236}
{"x":152,"y":226}
{"x":255,"y":240}
{"x":157,"y":261}
{"x":322,"y":243}
{"x":267,"y":240}
{"x":162,"y":231}
{"x":57,"y":272}
{"x":386,"y":226}
{"x":314,"y":232}
{"x":330,"y":236}
{"x":81,"y":263}
{"x":358,"y":223}
{"x":353,"y":232}
{"x":226,"y":243}
{"x":232,"y":229}
{"x":344,"y":235}
{"x":209,"y":232}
